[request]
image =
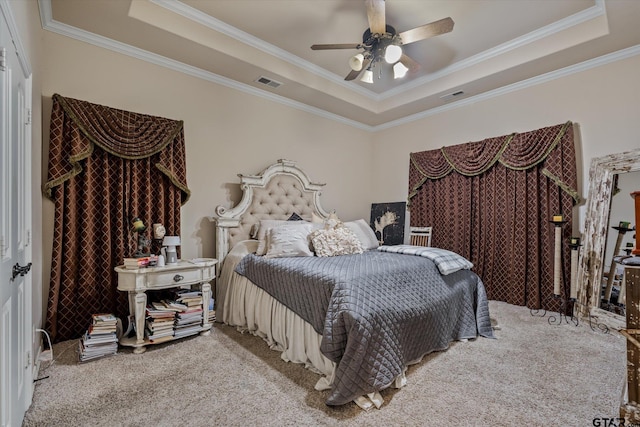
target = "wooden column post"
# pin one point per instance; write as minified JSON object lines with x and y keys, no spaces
{"x":636,"y":196}
{"x":630,"y":409}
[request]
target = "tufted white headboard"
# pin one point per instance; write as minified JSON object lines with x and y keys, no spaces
{"x":277,"y":192}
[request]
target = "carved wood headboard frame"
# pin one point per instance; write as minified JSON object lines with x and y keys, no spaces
{"x":275,"y":193}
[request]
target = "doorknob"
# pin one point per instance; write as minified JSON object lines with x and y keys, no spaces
{"x":19,"y":270}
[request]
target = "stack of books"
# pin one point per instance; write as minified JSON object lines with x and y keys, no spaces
{"x":100,"y":339}
{"x":188,"y":297}
{"x":159,"y":322}
{"x":189,"y":320}
{"x":212,"y":312}
{"x":133,"y":263}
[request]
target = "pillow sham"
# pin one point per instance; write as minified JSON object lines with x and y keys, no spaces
{"x":316,"y":219}
{"x":364,"y":232}
{"x":289,"y":240}
{"x":338,"y":240}
{"x":263,"y":229}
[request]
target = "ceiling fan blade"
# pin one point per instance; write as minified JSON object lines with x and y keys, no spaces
{"x":375,"y":15}
{"x":335,"y":46}
{"x":428,"y":30}
{"x":354,"y":74}
{"x":408,"y":62}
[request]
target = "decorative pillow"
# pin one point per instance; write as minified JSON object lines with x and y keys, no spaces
{"x":263,"y":229}
{"x":338,"y":240}
{"x":316,"y":219}
{"x":289,"y":240}
{"x":295,"y":217}
{"x":364,"y":232}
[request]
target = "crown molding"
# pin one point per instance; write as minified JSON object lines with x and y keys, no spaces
{"x":49,"y":24}
{"x":524,"y":84}
{"x":175,"y":6}
{"x":594,"y":11}
{"x":215,"y":24}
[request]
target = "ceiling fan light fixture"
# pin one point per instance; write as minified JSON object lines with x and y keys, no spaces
{"x":355,"y":62}
{"x":399,"y":70}
{"x":392,"y":53}
{"x":367,"y":76}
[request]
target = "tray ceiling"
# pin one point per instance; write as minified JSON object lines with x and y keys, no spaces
{"x":495,"y":46}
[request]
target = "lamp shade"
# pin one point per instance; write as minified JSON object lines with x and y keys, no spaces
{"x":399,"y":70}
{"x":355,"y":62}
{"x":171,"y":241}
{"x":367,"y":76}
{"x":392,"y":53}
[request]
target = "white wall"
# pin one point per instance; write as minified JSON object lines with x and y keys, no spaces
{"x":603,"y":102}
{"x":227,"y":132}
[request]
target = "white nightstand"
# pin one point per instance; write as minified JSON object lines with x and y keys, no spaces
{"x":184,"y":274}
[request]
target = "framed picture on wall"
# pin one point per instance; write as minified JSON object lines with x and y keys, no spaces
{"x":387,"y":221}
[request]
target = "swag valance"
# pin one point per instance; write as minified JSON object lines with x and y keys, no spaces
{"x":517,"y":151}
{"x":491,"y":201}
{"x":121,"y":133}
{"x":106,"y":167}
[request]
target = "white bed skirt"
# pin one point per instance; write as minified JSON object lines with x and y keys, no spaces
{"x":251,"y":309}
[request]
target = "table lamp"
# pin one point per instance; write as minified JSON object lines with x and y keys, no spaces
{"x":170,"y":243}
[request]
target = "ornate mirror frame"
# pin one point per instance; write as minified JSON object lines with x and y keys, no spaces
{"x":591,"y":260}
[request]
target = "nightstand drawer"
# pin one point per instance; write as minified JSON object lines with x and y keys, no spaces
{"x":162,"y":279}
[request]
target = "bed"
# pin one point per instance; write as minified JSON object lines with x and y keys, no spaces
{"x":321,"y":292}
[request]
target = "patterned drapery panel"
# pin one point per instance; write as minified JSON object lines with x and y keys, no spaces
{"x":492,"y":202}
{"x":106,"y":166}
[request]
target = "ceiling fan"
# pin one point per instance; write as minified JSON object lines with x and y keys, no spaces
{"x":381,"y":41}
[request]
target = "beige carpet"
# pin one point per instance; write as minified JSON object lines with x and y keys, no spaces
{"x":534,"y":374}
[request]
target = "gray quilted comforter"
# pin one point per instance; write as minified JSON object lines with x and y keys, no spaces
{"x":377,"y":312}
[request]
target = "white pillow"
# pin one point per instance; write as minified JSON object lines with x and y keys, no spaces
{"x":289,"y":240}
{"x":364,"y":232}
{"x":263,"y":229}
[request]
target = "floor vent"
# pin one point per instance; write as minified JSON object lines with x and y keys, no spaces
{"x":268,"y":82}
{"x":452,"y":95}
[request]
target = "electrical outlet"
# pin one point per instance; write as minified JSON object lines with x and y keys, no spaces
{"x":46,"y":356}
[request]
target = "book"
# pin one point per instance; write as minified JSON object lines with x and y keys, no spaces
{"x":161,"y":306}
{"x":100,"y":339}
{"x":103,"y":318}
{"x":133,"y":263}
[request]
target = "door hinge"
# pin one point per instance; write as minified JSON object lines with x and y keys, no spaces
{"x":3,"y":59}
{"x":2,"y":250}
{"x":28,"y":117}
{"x":28,"y":359}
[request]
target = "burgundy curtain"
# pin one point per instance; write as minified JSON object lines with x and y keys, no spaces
{"x":106,"y":166}
{"x":492,"y":201}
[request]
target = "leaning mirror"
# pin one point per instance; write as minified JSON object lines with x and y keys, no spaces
{"x":591,"y":263}
{"x":620,"y":240}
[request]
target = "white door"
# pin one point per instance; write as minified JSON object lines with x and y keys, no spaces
{"x":16,"y":372}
